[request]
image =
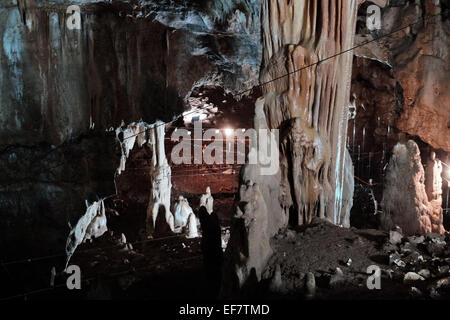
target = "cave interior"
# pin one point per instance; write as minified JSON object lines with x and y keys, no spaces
{"x":91,"y":116}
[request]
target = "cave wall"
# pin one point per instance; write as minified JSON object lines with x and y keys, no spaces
{"x":124,"y":64}
{"x":60,"y":90}
{"x":409,"y":75}
{"x":400,"y":87}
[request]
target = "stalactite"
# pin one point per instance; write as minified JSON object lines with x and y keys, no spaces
{"x":161,"y":185}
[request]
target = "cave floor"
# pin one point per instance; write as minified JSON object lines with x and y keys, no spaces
{"x":171,"y":267}
{"x":321,"y":247}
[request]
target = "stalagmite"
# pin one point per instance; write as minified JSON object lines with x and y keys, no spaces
{"x":160,"y":179}
{"x":433,"y":188}
{"x":93,"y":223}
{"x":269,"y":186}
{"x":296,"y":34}
{"x":192,"y":227}
{"x":181,"y":213}
{"x":405,"y":202}
{"x":433,"y":180}
{"x":207,"y":201}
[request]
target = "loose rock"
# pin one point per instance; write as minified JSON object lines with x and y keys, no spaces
{"x":412,"y":277}
{"x":337,"y":278}
{"x":395,"y":237}
{"x":416,"y":239}
{"x":414,"y":292}
{"x":425,"y":273}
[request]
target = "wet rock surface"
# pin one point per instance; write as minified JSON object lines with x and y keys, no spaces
{"x":415,"y":60}
{"x":44,"y":187}
{"x":59,"y":87}
{"x":124,"y":264}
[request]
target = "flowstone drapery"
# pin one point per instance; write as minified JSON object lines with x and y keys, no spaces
{"x":308,"y":104}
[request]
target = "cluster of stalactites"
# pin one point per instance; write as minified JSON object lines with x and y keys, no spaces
{"x":140,"y":133}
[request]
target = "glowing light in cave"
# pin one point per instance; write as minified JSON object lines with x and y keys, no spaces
{"x":228,"y":132}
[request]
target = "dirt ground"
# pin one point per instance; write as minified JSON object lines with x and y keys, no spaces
{"x":321,"y":247}
{"x":171,"y":267}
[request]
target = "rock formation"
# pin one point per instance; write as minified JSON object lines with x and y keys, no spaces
{"x":433,"y":179}
{"x":311,"y":103}
{"x":161,"y":185}
{"x":405,"y":202}
{"x":127,"y":137}
{"x":348,"y":190}
{"x":303,"y":158}
{"x":207,"y":201}
{"x":269,"y":186}
{"x":310,"y":108}
{"x":91,"y":225}
{"x":433,"y":188}
{"x":248,"y":249}
{"x":160,"y":174}
{"x":192,"y":227}
{"x":182,"y":211}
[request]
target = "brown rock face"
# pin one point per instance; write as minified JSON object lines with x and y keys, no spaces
{"x":424,"y":73}
{"x":419,"y":57}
